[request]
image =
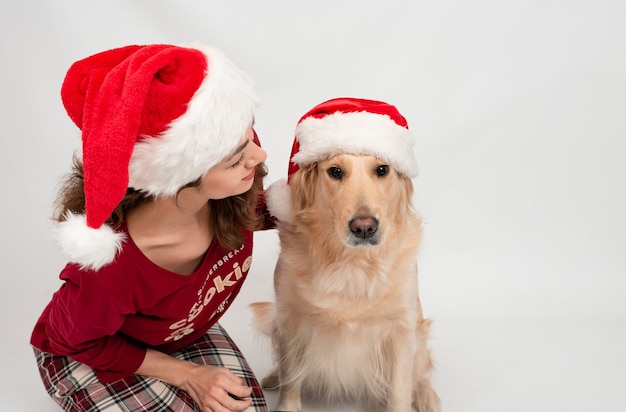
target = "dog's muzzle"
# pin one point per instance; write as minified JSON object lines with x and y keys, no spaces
{"x":364,"y":230}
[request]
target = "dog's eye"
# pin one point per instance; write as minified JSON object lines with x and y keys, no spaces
{"x":335,"y":172}
{"x":382,"y":170}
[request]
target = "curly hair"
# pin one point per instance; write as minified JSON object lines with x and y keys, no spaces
{"x":228,"y":217}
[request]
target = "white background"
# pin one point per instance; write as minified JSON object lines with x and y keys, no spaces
{"x":519,"y":108}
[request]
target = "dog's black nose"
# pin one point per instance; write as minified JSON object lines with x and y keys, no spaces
{"x":364,"y":227}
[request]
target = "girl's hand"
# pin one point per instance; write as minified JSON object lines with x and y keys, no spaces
{"x":214,"y":389}
{"x":217,"y":389}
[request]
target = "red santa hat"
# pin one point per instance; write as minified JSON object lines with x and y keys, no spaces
{"x":346,"y":125}
{"x":154,"y":118}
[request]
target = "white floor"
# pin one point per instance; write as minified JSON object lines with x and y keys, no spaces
{"x":518,"y":107}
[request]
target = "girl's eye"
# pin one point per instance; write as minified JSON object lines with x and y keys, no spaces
{"x":240,"y":161}
{"x":382,"y":170}
{"x":335,"y":172}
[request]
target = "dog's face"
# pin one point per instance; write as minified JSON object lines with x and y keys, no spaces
{"x":360,"y":197}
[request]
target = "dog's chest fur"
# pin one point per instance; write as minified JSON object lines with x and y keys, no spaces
{"x":341,"y":319}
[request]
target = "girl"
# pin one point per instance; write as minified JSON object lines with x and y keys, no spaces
{"x":156,"y":221}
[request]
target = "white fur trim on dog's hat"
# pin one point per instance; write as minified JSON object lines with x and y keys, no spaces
{"x":357,"y":133}
{"x":355,"y":126}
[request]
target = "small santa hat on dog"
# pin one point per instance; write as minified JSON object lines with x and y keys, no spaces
{"x":345,"y":125}
{"x":154,"y":118}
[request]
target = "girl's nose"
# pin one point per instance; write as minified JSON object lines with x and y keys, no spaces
{"x":257,"y":155}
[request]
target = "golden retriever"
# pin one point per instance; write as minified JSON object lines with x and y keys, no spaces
{"x":347,"y":324}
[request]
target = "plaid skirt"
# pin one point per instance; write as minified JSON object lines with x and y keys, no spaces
{"x":75,"y":387}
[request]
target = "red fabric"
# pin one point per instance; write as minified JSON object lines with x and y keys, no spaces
{"x":106,"y":319}
{"x":115,"y":97}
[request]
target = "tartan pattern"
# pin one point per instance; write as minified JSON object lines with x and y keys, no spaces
{"x":75,"y":387}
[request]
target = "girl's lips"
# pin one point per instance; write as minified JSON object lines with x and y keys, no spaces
{"x":250,"y":176}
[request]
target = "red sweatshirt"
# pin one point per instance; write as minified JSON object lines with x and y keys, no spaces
{"x":107,"y":319}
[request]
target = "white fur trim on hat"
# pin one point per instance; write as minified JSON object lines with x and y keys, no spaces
{"x":278,"y":200}
{"x":357,"y":133}
{"x":211,"y":128}
{"x":90,"y":248}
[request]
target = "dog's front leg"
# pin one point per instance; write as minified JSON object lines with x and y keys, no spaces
{"x":289,"y":397}
{"x":425,"y":398}
{"x":401,"y":372}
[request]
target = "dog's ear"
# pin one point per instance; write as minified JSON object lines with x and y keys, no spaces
{"x":405,"y":200}
{"x":407,"y":190}
{"x":303,"y":184}
{"x":405,"y":204}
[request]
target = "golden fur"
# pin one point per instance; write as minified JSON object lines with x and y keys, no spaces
{"x":347,"y":323}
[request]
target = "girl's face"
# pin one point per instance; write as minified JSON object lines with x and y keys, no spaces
{"x":235,"y":174}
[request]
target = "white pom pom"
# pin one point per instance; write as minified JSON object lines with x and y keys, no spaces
{"x":88,"y":247}
{"x":278,"y":198}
